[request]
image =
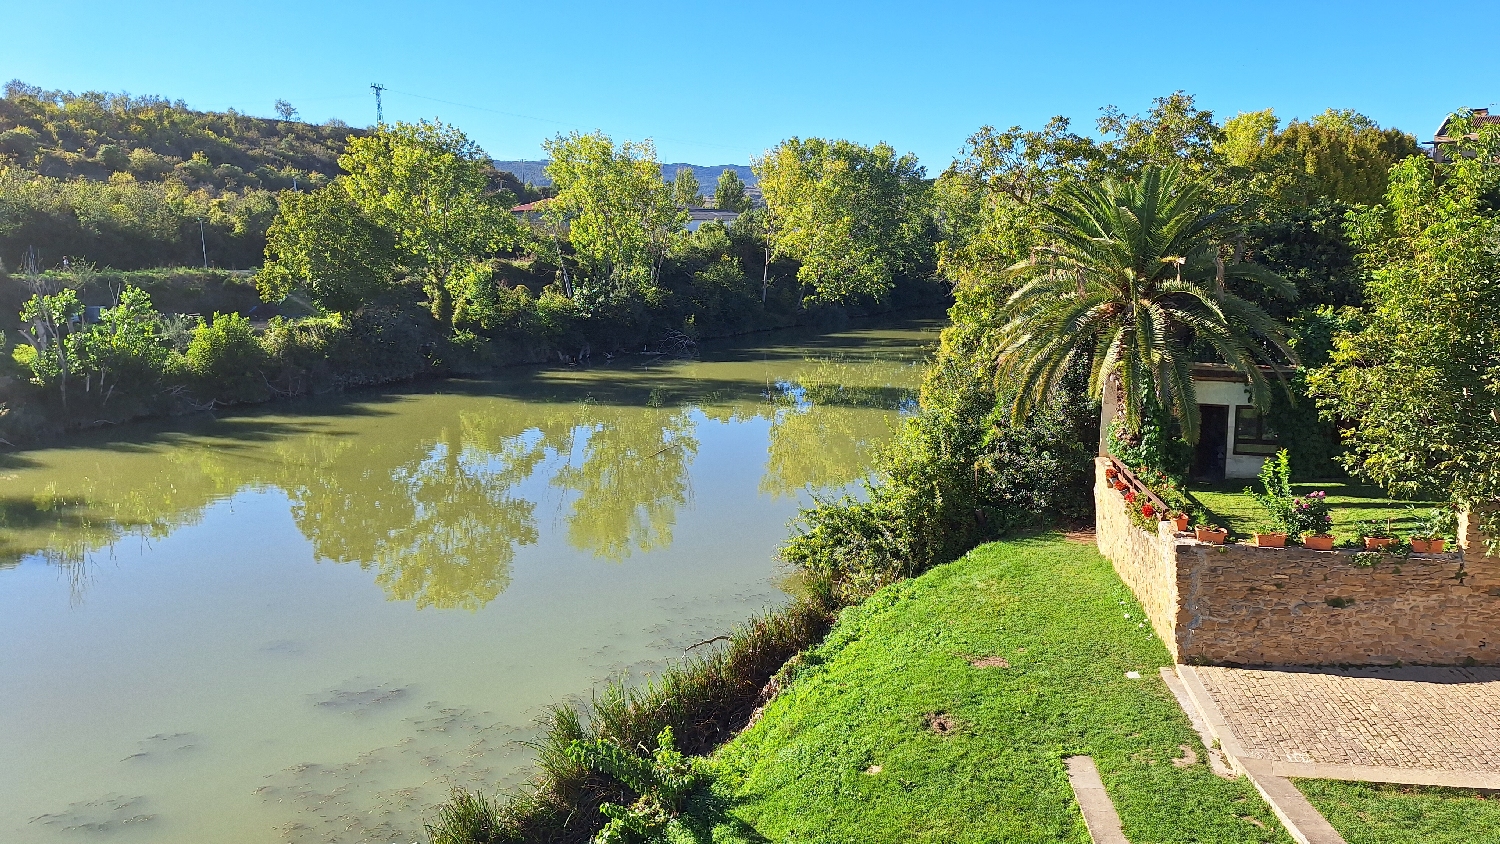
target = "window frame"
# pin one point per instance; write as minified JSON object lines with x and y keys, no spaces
{"x":1263,"y":439}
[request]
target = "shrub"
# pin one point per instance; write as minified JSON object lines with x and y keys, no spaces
{"x":1275,"y":497}
{"x":960,"y":473}
{"x":225,"y":362}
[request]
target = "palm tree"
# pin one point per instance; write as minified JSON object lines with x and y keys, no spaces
{"x":1133,"y":279}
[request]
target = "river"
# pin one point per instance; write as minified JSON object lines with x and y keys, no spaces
{"x":306,"y":623}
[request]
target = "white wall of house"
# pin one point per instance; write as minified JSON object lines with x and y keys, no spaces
{"x":1232,"y":395}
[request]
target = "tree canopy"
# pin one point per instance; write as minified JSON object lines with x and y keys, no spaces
{"x":854,"y":216}
{"x":1417,"y":387}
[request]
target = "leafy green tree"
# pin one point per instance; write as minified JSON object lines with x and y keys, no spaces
{"x":323,"y":242}
{"x":426,"y":185}
{"x":621,"y":218}
{"x":125,"y":350}
{"x":1132,"y":275}
{"x":988,"y":200}
{"x":48,"y":320}
{"x":1173,"y":132}
{"x":729,"y":193}
{"x":854,"y":216}
{"x":686,"y":191}
{"x":1417,"y":388}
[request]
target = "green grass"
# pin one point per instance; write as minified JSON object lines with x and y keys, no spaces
{"x":1228,"y":506}
{"x":1373,"y":813}
{"x":1070,"y":630}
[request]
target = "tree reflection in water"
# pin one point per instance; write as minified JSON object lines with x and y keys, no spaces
{"x":426,"y":489}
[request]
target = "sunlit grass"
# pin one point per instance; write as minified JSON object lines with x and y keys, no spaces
{"x":1380,"y":813}
{"x":942,"y":708}
{"x":1228,"y":505}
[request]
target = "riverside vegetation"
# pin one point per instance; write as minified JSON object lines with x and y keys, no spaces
{"x":1174,"y":239}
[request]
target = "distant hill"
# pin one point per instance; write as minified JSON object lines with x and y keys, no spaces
{"x":94,"y":135}
{"x":707,"y":174}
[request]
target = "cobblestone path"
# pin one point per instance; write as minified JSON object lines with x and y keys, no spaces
{"x":1445,"y":719}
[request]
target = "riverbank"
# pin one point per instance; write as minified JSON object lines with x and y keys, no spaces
{"x":240,"y":365}
{"x":940,"y":709}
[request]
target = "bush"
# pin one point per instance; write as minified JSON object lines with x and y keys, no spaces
{"x":225,"y":362}
{"x":960,"y":473}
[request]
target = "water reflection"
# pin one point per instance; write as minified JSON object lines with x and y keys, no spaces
{"x":435,"y":491}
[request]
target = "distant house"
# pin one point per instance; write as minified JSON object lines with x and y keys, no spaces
{"x":529,"y":211}
{"x":1234,"y":438}
{"x":698,"y":216}
{"x":1442,"y":137}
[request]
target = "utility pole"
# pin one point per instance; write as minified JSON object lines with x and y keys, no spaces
{"x":379,"y":115}
{"x":203,"y":241}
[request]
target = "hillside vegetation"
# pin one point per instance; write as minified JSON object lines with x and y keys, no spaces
{"x":124,"y":182}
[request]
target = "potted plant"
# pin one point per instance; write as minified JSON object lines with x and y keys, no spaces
{"x":1270,"y":539}
{"x":1431,"y":530}
{"x":1277,"y":500}
{"x":1375,"y":535}
{"x":1111,"y":472}
{"x":1180,"y":522}
{"x":1311,"y":519}
{"x":1212,"y":534}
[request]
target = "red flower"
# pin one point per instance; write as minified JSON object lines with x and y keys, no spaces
{"x":1130,"y":497}
{"x":1147,"y":510}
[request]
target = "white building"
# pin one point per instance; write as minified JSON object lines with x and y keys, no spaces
{"x":698,"y":216}
{"x":1233,"y":440}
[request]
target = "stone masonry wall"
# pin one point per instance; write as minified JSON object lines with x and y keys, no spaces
{"x":1245,"y":605}
{"x":1140,"y":559}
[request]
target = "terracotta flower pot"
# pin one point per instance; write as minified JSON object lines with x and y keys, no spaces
{"x":1270,"y":540}
{"x":1318,"y":542}
{"x":1427,"y":546}
{"x":1180,"y":522}
{"x":1375,"y":543}
{"x":1212,"y":537}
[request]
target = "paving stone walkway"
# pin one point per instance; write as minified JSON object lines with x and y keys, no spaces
{"x":1417,"y":719}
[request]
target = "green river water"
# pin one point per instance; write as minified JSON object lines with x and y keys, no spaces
{"x":308,"y":623}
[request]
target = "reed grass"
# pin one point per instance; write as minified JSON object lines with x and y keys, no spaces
{"x":704,"y":700}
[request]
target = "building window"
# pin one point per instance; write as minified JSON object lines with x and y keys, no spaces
{"x":1251,"y":435}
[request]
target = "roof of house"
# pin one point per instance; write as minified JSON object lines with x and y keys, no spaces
{"x":1225,"y":372}
{"x":1479,"y":116}
{"x":529,"y":206}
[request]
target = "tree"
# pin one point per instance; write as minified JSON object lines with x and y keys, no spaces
{"x":987,"y":201}
{"x":125,"y":350}
{"x":48,"y":321}
{"x":426,"y":185}
{"x":621,"y":218}
{"x":323,"y":242}
{"x":1131,"y":277}
{"x":686,"y":191}
{"x":729,"y":193}
{"x":285,"y":111}
{"x":1417,"y":388}
{"x":854,"y":216}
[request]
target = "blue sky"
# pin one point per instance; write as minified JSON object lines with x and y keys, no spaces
{"x":718,"y":82}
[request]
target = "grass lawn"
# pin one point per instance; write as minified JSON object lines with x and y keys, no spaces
{"x":889,"y":734}
{"x":1228,"y":506}
{"x":1376,"y":813}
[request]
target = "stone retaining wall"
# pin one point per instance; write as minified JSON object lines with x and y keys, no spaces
{"x":1245,"y":605}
